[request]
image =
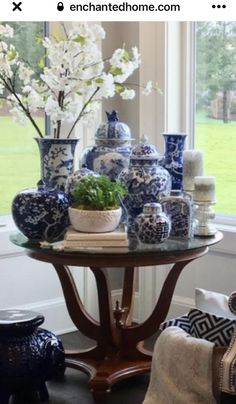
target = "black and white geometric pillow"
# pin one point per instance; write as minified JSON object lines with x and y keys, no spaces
{"x":182,"y":322}
{"x":218,"y":330}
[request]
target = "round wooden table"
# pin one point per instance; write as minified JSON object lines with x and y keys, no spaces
{"x":119,"y":351}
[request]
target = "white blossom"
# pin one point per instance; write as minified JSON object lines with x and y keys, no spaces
{"x":6,"y":30}
{"x":127,"y":94}
{"x":107,"y":87}
{"x":75,"y":80}
{"x":148,"y":89}
{"x":25,"y":73}
{"x":122,"y":66}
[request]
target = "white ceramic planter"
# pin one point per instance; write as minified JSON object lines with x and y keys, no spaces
{"x":94,"y":221}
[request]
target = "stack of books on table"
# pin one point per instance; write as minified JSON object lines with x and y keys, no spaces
{"x":75,"y":240}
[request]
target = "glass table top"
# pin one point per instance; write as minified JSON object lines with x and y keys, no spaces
{"x":135,"y":247}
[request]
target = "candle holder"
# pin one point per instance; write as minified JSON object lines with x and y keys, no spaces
{"x":203,"y":214}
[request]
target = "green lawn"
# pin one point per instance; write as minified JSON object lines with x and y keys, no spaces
{"x":19,"y":162}
{"x":218,"y":140}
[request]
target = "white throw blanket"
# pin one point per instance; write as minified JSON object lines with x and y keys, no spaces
{"x":181,"y":370}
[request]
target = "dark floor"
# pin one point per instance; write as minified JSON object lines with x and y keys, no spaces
{"x":73,"y":389}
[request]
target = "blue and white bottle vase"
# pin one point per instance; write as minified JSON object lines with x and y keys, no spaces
{"x":174,"y":147}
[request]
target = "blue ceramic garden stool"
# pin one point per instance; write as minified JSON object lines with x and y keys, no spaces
{"x":28,"y":356}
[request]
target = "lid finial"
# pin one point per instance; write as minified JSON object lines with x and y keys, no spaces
{"x":112,"y":116}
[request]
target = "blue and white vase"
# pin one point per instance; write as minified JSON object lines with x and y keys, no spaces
{"x":152,"y":225}
{"x":41,"y":213}
{"x":179,"y":207}
{"x":111,"y":152}
{"x":174,"y":147}
{"x":146,"y":180}
{"x":57,"y":160}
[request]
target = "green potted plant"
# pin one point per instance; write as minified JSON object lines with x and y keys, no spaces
{"x":96,"y":204}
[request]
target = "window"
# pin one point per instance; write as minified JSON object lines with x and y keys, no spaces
{"x":216,"y":107}
{"x":19,"y":162}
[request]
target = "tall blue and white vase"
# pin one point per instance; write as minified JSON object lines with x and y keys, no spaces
{"x":57,"y":160}
{"x":173,"y":163}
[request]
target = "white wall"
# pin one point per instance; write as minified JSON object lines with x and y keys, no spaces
{"x":32,"y":285}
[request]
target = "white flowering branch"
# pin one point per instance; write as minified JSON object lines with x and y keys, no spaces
{"x":11,"y":88}
{"x":75,"y":75}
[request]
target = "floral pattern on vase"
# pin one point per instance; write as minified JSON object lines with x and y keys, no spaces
{"x":174,"y":146}
{"x":111,"y":152}
{"x":57,"y":160}
{"x":41,"y":213}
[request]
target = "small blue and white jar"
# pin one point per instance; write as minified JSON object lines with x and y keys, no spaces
{"x":111,"y":152}
{"x":179,"y":207}
{"x":152,"y":225}
{"x":41,"y":213}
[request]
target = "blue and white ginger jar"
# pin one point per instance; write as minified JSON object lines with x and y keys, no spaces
{"x":152,"y":226}
{"x":179,"y":207}
{"x":111,"y":152}
{"x":146,"y":180}
{"x":74,"y":178}
{"x":41,"y":213}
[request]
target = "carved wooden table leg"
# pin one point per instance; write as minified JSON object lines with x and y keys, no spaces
{"x":119,"y":353}
{"x":133,"y":335}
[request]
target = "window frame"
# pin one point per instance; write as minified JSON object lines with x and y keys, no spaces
{"x":225,"y":222}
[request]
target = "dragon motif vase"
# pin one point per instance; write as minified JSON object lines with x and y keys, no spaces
{"x":146,"y":180}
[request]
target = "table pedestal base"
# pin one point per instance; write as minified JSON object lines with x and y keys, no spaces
{"x":119,"y":352}
{"x":103,"y":373}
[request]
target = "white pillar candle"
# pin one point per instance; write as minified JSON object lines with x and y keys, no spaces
{"x":204,"y":189}
{"x":192,"y":167}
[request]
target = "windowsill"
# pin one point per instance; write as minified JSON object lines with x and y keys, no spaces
{"x":7,"y":224}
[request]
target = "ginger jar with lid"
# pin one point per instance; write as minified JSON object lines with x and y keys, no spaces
{"x":111,"y":152}
{"x":146,"y":180}
{"x":152,"y":226}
